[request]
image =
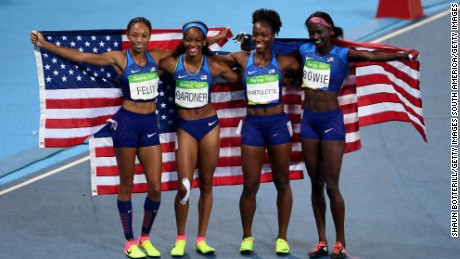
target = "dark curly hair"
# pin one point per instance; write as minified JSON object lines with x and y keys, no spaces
{"x":338,"y":32}
{"x":181,"y":48}
{"x":271,"y":17}
{"x":139,"y":20}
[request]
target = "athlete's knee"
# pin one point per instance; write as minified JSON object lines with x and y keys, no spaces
{"x":317,"y":185}
{"x":184,"y":191}
{"x":126,"y":178}
{"x":126,"y":184}
{"x":250,"y":188}
{"x":124,"y":192}
{"x":282,"y":185}
{"x":206,"y":185}
{"x":183,"y":188}
{"x":332,"y":189}
{"x":154,"y":190}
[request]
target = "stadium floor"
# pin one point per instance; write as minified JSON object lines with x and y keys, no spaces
{"x":396,"y":188}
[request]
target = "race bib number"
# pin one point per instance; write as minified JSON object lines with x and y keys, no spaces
{"x":262,"y":89}
{"x":143,"y":86}
{"x":316,"y":75}
{"x":191,"y":94}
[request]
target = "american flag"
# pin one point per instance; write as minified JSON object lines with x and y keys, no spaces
{"x":72,"y":110}
{"x":230,"y":104}
{"x":377,"y":92}
{"x":77,"y":99}
{"x":374,"y":92}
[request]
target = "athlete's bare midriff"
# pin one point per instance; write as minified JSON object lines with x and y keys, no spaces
{"x":139,"y":107}
{"x":273,"y":110}
{"x":197,"y":113}
{"x":320,"y":101}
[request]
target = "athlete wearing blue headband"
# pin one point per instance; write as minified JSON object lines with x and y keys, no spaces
{"x":200,"y":26}
{"x":198,"y":129}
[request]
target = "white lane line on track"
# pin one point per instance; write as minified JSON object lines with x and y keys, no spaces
{"x":57,"y":170}
{"x":411,"y":27}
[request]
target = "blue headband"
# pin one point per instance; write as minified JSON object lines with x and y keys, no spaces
{"x":196,"y":25}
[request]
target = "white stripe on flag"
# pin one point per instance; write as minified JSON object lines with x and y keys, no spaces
{"x":81,"y":93}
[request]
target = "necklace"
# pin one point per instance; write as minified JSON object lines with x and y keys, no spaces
{"x":198,"y":68}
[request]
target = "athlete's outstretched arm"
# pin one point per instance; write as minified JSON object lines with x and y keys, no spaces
{"x":363,"y":55}
{"x":104,"y":59}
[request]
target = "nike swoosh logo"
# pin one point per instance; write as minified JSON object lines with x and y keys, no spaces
{"x":181,"y":77}
{"x":212,"y":123}
{"x":151,"y":135}
{"x":326,"y":131}
{"x":135,"y":71}
{"x":251,"y":72}
{"x":277,"y":134}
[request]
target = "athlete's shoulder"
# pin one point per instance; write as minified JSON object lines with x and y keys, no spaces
{"x":307,"y":47}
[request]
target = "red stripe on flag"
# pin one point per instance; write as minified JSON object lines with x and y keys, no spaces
{"x":64,"y":142}
{"x":76,"y":123}
{"x":385,"y":97}
{"x":82,"y":103}
{"x":352,"y":146}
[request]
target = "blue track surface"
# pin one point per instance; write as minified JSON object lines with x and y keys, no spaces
{"x":397,"y":194}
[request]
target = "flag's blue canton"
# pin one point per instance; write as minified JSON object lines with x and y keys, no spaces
{"x":60,"y":73}
{"x":166,"y":107}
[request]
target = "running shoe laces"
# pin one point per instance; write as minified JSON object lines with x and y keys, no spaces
{"x":282,"y":247}
{"x":132,"y":251}
{"x":246,"y":245}
{"x":179,"y":248}
{"x":203,"y":248}
{"x":319,"y":250}
{"x":150,"y":250}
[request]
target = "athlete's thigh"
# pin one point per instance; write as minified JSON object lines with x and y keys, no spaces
{"x":252,"y":159}
{"x":186,"y":154}
{"x":209,"y":147}
{"x":332,"y":155}
{"x":151,"y":161}
{"x":126,"y":158}
{"x":311,"y":155}
{"x":280,"y":157}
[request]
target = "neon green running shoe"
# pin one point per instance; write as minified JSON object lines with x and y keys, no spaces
{"x":203,"y":248}
{"x":246,"y":245}
{"x":133,"y":251}
{"x":150,"y":250}
{"x":179,"y":248}
{"x":282,"y":247}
